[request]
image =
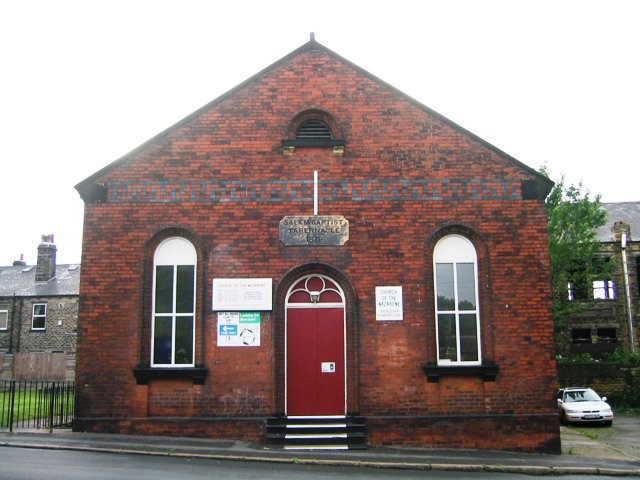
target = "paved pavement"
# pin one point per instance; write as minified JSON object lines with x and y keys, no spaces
{"x":621,"y":443}
{"x":614,"y":455}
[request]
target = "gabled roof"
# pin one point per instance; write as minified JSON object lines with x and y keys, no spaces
{"x":20,"y":281}
{"x":84,"y":185}
{"x":627,"y":212}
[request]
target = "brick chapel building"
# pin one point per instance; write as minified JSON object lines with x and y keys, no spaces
{"x":316,"y":246}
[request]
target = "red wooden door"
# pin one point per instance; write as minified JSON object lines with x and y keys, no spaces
{"x":315,"y":361}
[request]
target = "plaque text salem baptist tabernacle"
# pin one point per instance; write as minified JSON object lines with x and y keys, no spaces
{"x":314,"y":230}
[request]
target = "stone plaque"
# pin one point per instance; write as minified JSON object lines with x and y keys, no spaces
{"x":314,"y":230}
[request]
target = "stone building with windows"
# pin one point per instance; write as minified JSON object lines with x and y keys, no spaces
{"x":316,"y":248}
{"x":611,"y":318}
{"x":39,"y":317}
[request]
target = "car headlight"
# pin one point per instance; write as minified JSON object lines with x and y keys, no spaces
{"x":606,"y":410}
{"x":572,"y":411}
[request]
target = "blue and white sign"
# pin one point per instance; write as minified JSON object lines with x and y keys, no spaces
{"x":228,"y":330}
{"x":238,"y":329}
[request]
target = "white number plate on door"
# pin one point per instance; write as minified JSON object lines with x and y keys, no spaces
{"x":328,"y":367}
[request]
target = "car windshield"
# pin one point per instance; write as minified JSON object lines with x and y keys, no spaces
{"x":581,"y":396}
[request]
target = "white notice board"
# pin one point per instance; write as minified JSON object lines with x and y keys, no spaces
{"x":389,"y":303}
{"x":242,"y":294}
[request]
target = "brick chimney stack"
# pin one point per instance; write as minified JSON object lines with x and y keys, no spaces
{"x":46,"y":267}
{"x":618,"y":229}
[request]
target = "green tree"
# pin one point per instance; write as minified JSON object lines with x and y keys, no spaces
{"x":573,"y":220}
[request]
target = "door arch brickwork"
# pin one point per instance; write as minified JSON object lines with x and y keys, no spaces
{"x":351,"y":332}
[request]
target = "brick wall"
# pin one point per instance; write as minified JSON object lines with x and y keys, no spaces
{"x":406,"y":178}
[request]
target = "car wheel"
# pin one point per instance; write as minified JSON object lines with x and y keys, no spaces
{"x":607,"y":423}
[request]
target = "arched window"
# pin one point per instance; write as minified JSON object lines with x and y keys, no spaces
{"x":174,"y":304}
{"x":457,"y":311}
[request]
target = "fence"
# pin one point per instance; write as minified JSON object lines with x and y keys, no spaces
{"x":36,"y":404}
{"x":56,"y":366}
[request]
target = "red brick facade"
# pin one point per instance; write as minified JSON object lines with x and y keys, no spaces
{"x":223,"y":178}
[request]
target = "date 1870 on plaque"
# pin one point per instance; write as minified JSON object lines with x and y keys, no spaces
{"x":314,"y":230}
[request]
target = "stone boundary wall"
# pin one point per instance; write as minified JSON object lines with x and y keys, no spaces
{"x":609,"y":379}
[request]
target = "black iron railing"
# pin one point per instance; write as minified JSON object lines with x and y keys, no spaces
{"x":36,"y":404}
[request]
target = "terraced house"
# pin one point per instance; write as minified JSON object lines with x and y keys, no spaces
{"x":610,"y":318}
{"x":318,"y":260}
{"x":39,"y":317}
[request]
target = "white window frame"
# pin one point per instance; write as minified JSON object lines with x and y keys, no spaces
{"x":174,"y":251}
{"x":5,"y":314}
{"x":600,"y":290}
{"x":604,"y":290}
{"x":456,"y":249}
{"x":34,"y":316}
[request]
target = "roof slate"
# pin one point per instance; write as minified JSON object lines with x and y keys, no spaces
{"x":627,"y":212}
{"x":21,"y":281}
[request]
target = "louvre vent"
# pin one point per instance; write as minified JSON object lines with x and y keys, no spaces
{"x":313,"y":130}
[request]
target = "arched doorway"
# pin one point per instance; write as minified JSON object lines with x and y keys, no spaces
{"x":315,"y":347}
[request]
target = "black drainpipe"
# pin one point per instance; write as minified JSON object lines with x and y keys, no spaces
{"x":13,"y":322}
{"x":19,"y":326}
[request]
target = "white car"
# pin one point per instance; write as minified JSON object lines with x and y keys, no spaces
{"x":583,"y":405}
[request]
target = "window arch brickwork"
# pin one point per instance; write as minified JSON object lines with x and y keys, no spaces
{"x":351,"y":313}
{"x":485,"y":366}
{"x":148,"y":367}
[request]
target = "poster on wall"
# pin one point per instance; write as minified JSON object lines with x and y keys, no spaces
{"x":238,"y":329}
{"x":241,"y":294}
{"x":389,"y":304}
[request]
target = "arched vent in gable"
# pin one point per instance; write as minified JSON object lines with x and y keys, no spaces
{"x":313,"y":130}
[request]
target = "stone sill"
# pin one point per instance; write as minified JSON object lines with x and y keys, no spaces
{"x":144,"y":374}
{"x":488,"y":371}
{"x":289,"y":146}
{"x":313,"y":143}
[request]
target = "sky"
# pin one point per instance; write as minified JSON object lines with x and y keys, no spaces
{"x":82,"y":83}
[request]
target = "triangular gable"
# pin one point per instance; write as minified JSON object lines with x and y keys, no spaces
{"x":539,"y":188}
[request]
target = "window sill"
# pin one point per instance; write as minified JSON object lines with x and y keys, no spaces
{"x":488,"y":371}
{"x":588,"y":301}
{"x":144,"y":374}
{"x":313,"y":142}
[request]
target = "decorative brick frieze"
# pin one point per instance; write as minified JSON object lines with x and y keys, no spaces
{"x":239,"y":191}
